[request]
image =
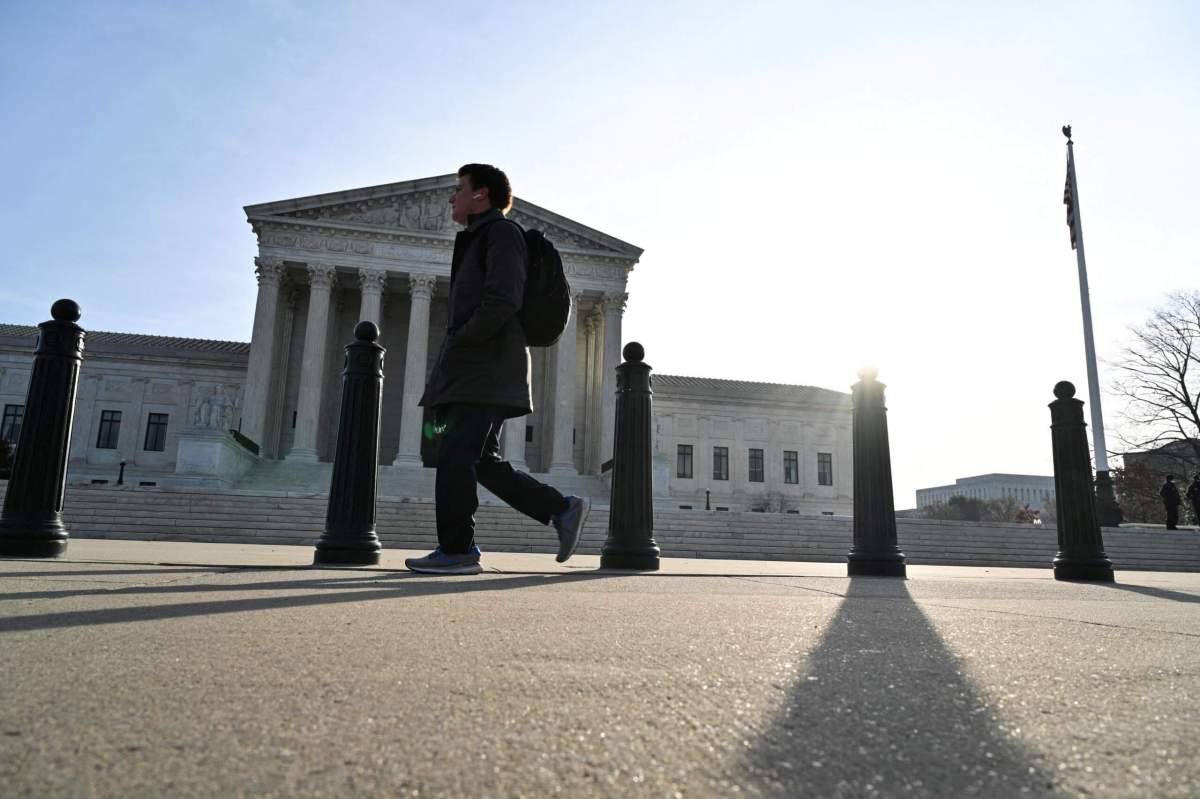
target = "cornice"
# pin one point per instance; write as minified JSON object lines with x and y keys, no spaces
{"x":386,"y":235}
{"x":310,"y":244}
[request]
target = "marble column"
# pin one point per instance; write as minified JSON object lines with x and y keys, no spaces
{"x":372,"y":283}
{"x":417,"y":354}
{"x":562,"y":452}
{"x":590,"y":370}
{"x":614,"y":309}
{"x":272,"y":446}
{"x":321,"y":279}
{"x":513,"y":445}
{"x":262,"y":349}
{"x":596,"y":425}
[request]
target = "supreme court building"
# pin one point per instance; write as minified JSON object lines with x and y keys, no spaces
{"x":166,"y":407}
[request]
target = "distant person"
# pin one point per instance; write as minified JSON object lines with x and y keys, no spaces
{"x":1193,"y":495}
{"x":1170,"y":497}
{"x":481,"y":379}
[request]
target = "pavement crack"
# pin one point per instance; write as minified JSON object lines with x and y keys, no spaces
{"x":786,"y":585}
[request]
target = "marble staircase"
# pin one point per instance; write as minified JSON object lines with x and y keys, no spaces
{"x":395,"y":482}
{"x":257,"y":516}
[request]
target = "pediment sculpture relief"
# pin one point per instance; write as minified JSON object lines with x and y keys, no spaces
{"x":427,"y":211}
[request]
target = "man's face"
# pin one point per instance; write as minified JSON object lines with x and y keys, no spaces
{"x":467,"y":200}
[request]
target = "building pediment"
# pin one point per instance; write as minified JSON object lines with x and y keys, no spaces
{"x":420,"y":208}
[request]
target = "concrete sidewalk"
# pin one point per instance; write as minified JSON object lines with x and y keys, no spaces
{"x":170,"y":669}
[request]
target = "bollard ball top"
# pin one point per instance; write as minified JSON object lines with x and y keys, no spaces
{"x":1064,"y":389}
{"x":634,"y":352}
{"x":366,"y":331}
{"x":65,"y":311}
{"x":868,"y":373}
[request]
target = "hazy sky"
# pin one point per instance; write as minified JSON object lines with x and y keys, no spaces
{"x":816,"y":185}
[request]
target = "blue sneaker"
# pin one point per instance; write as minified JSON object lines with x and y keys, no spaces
{"x":438,"y":562}
{"x":569,"y":525}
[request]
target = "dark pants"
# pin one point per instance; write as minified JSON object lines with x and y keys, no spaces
{"x":469,"y":454}
{"x":1172,"y":516}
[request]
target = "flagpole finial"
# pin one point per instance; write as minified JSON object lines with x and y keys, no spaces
{"x":1066,"y":129}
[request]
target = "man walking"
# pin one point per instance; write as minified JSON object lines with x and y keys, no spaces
{"x":1170,"y":497}
{"x":481,"y":379}
{"x":1193,"y":495}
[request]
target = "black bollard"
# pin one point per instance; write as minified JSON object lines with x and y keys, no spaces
{"x":31,"y":525}
{"x":875,"y":551}
{"x":630,"y":543}
{"x":349,"y":538}
{"x":1080,"y":546}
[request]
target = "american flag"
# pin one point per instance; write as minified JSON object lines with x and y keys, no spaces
{"x":1069,"y":201}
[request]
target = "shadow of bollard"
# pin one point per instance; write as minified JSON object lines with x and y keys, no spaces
{"x":875,"y":551}
{"x":31,"y":525}
{"x":349,"y":538}
{"x":630,"y":543}
{"x":1080,"y":546}
{"x":883,"y":707}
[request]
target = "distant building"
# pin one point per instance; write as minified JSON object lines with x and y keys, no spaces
{"x":1033,"y":490}
{"x":1176,"y":457}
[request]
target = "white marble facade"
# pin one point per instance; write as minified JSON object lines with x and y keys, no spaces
{"x":190,"y":388}
{"x":383,"y":253}
{"x":793,"y":429}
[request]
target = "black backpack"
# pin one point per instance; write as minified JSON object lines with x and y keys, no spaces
{"x":547,"y":302}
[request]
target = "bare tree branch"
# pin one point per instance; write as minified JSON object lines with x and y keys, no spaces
{"x":1157,"y":380}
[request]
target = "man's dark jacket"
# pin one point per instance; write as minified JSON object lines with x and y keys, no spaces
{"x":1170,"y":494}
{"x":483,"y":359}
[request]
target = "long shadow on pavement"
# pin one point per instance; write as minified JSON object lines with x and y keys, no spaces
{"x":348,"y":591}
{"x":1157,"y":593}
{"x":884,"y":709}
{"x":118,"y":572}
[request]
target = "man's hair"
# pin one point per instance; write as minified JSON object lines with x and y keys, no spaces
{"x":486,"y":176}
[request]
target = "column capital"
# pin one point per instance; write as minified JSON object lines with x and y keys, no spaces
{"x":372,"y":280}
{"x":322,"y":275}
{"x":268,"y":271}
{"x":576,"y":298}
{"x":421,"y":284}
{"x":596,"y":315}
{"x":615,"y":303}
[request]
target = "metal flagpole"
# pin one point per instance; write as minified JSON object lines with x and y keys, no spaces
{"x":1106,"y":505}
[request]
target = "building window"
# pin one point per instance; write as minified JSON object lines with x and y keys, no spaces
{"x":720,"y":463}
{"x":156,"y":433}
{"x":10,"y":429}
{"x":756,"y":466}
{"x":824,"y":468}
{"x":791,"y":467}
{"x":528,"y":433}
{"x":683,"y":467}
{"x":110,"y":429}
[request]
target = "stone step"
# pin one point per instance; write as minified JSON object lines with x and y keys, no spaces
{"x":275,"y":518}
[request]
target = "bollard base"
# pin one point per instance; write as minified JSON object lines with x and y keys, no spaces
{"x":342,"y":553}
{"x":30,"y":547}
{"x":865,"y":566}
{"x":1097,"y":572}
{"x":630,"y":561}
{"x":32,"y":535}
